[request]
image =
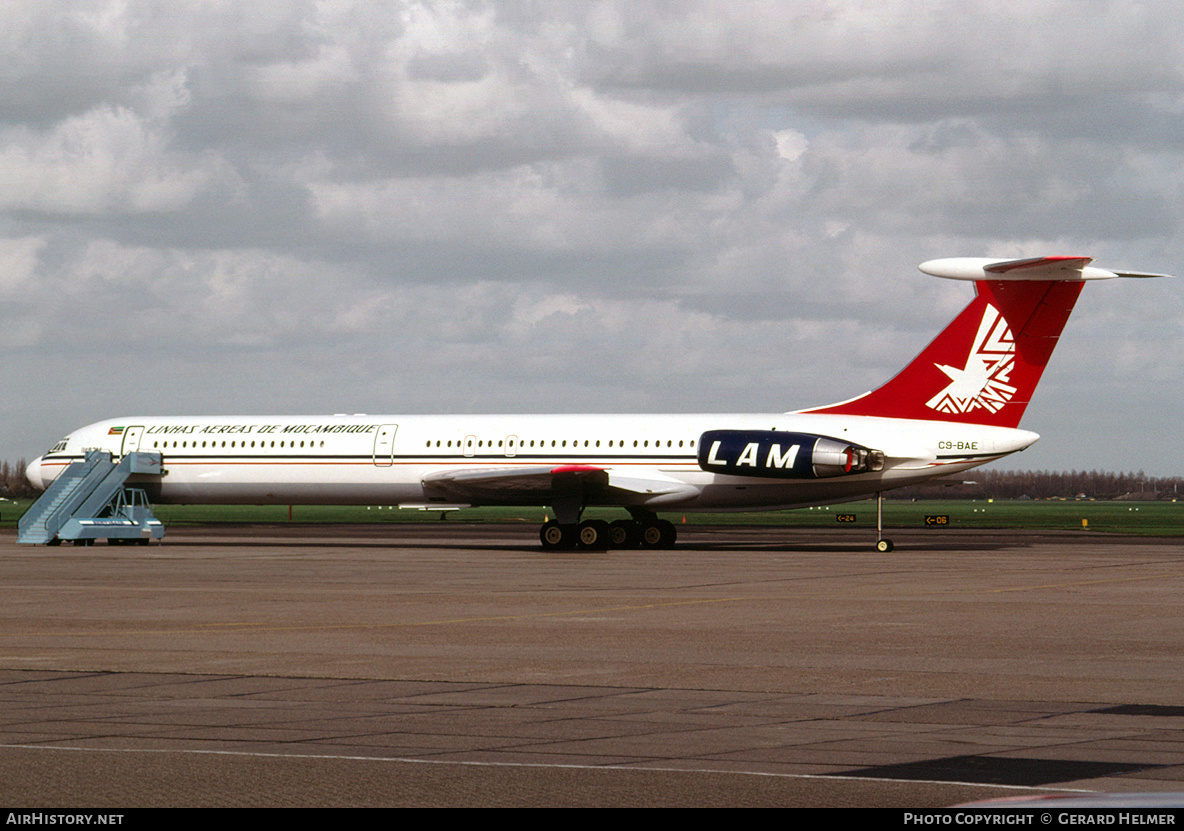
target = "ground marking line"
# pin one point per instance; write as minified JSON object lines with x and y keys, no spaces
{"x":650,"y":769}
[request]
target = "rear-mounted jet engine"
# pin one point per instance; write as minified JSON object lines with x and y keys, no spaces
{"x":783,"y":455}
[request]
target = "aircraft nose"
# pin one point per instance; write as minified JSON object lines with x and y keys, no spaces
{"x":33,"y":474}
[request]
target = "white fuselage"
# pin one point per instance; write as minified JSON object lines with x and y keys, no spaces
{"x":384,"y":459}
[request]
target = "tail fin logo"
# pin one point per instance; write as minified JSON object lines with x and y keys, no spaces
{"x":984,"y":381}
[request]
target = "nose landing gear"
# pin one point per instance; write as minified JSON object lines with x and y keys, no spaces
{"x":882,"y":545}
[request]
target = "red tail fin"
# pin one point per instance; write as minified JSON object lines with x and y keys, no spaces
{"x":984,"y":367}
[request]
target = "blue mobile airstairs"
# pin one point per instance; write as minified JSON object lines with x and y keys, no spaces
{"x":89,"y":500}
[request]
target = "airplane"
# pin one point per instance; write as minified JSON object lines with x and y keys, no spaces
{"x":956,"y":406}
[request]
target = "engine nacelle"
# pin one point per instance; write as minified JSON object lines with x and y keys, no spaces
{"x":783,"y":455}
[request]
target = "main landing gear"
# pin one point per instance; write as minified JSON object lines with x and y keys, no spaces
{"x":598,"y":535}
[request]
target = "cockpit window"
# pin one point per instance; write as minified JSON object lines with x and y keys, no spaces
{"x":59,"y":447}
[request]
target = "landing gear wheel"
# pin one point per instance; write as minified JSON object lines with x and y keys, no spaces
{"x":658,"y":534}
{"x":624,"y":533}
{"x":651,"y":535}
{"x":884,"y":546}
{"x":669,"y":533}
{"x":594,"y":534}
{"x":554,"y":536}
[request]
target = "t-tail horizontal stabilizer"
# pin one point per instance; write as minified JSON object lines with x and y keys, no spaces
{"x":983,"y":368}
{"x":1033,"y":268}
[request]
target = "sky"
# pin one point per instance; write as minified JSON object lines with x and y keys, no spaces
{"x":403,"y":207}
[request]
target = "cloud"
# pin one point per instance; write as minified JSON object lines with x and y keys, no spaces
{"x":104,"y":161}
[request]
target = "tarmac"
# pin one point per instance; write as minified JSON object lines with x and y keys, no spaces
{"x":448,"y":664}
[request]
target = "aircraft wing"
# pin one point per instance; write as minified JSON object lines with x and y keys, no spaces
{"x":543,"y":483}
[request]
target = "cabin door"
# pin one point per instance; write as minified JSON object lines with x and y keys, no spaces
{"x":131,"y":440}
{"x":384,"y":445}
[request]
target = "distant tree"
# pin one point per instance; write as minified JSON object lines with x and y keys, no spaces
{"x":1045,"y":484}
{"x":13,"y":483}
